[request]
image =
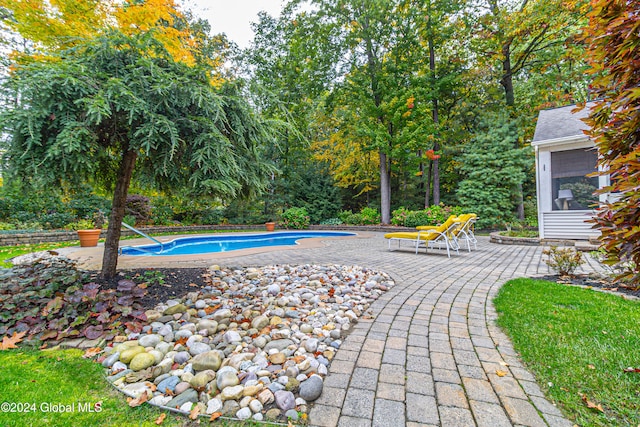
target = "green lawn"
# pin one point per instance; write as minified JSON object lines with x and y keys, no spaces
{"x":42,"y":381}
{"x":8,"y":252}
{"x":578,"y":342}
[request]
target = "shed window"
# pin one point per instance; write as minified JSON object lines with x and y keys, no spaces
{"x":572,"y":189}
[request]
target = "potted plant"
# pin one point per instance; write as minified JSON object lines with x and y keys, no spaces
{"x":89,"y":230}
{"x":270,"y":225}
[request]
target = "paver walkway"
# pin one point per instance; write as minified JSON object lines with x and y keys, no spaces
{"x":431,"y":353}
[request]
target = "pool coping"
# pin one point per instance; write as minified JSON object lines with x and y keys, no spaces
{"x":91,"y":258}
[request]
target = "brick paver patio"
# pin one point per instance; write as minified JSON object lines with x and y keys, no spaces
{"x":432,"y":352}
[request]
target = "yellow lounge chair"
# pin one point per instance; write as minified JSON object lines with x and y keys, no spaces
{"x":445,"y":224}
{"x":465,"y":230}
{"x":442,"y":234}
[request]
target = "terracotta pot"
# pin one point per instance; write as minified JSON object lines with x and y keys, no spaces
{"x":270,"y":226}
{"x":89,"y":238}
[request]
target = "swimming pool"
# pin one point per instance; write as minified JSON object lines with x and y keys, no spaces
{"x":226,"y":243}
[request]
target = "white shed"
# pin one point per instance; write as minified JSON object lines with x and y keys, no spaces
{"x":565,"y":156}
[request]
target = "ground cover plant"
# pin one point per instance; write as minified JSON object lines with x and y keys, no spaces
{"x":52,"y":300}
{"x":582,"y":346}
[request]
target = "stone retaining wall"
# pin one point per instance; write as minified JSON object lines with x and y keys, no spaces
{"x":67,"y":236}
{"x":496,"y":237}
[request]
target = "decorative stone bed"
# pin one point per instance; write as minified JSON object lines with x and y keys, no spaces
{"x":255,"y":343}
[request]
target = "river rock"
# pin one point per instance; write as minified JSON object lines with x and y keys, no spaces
{"x":227,"y":377}
{"x":142,"y":361}
{"x":178,"y":308}
{"x":244,"y":413}
{"x":168,"y":383}
{"x":311,"y":388}
{"x":311,"y":345}
{"x":127,"y":355}
{"x":201,"y":379}
{"x":208,"y":360}
{"x":278,"y":345}
{"x":150,"y":340}
{"x":189,"y":395}
{"x":109,"y":361}
{"x":136,"y":389}
{"x":260,"y":322}
{"x":285,"y":400}
{"x":214,"y":405}
{"x":231,"y":393}
{"x":209,"y":325}
{"x":265,"y":396}
{"x":272,"y":414}
{"x":223,"y":313}
{"x":198,"y":348}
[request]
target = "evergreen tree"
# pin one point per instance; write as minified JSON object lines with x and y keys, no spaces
{"x":493,"y":168}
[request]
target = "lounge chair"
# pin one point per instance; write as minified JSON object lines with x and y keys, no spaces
{"x":445,"y":224}
{"x":440,"y":235}
{"x":465,"y":230}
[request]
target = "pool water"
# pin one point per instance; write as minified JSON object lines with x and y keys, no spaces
{"x":226,"y":243}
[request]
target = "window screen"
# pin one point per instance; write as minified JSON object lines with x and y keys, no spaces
{"x":572,"y":189}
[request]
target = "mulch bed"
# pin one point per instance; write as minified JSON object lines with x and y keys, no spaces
{"x":175,"y":283}
{"x":599,"y":283}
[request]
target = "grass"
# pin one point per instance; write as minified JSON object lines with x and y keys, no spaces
{"x":578,"y":343}
{"x":63,"y":377}
{"x":8,"y":252}
{"x":43,"y":378}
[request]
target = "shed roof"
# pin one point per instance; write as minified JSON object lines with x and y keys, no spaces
{"x":561,"y":122}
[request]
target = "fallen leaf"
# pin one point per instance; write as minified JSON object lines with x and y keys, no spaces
{"x":590,"y":404}
{"x":501,"y":373}
{"x":160,"y":419}
{"x":590,"y":366}
{"x":215,"y":416}
{"x":10,"y":342}
{"x":192,"y":285}
{"x":630,"y":369}
{"x":194,"y":412}
{"x":503,"y":363}
{"x":91,"y":352}
{"x":47,"y":335}
{"x":138,"y":400}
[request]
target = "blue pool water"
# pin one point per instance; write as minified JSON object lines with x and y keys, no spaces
{"x":215,"y":243}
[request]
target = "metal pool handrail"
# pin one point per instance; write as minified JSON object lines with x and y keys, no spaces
{"x":135,"y":230}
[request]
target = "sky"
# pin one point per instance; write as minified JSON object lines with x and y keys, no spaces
{"x":233,"y":17}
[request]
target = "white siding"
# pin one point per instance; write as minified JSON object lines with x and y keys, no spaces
{"x":568,"y":225}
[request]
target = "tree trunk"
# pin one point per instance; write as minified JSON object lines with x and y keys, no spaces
{"x":110,"y":257}
{"x":385,"y":189}
{"x":507,"y":84}
{"x":436,"y":119}
{"x":427,"y":192}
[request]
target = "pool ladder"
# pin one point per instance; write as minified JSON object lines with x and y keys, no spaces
{"x":135,"y":230}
